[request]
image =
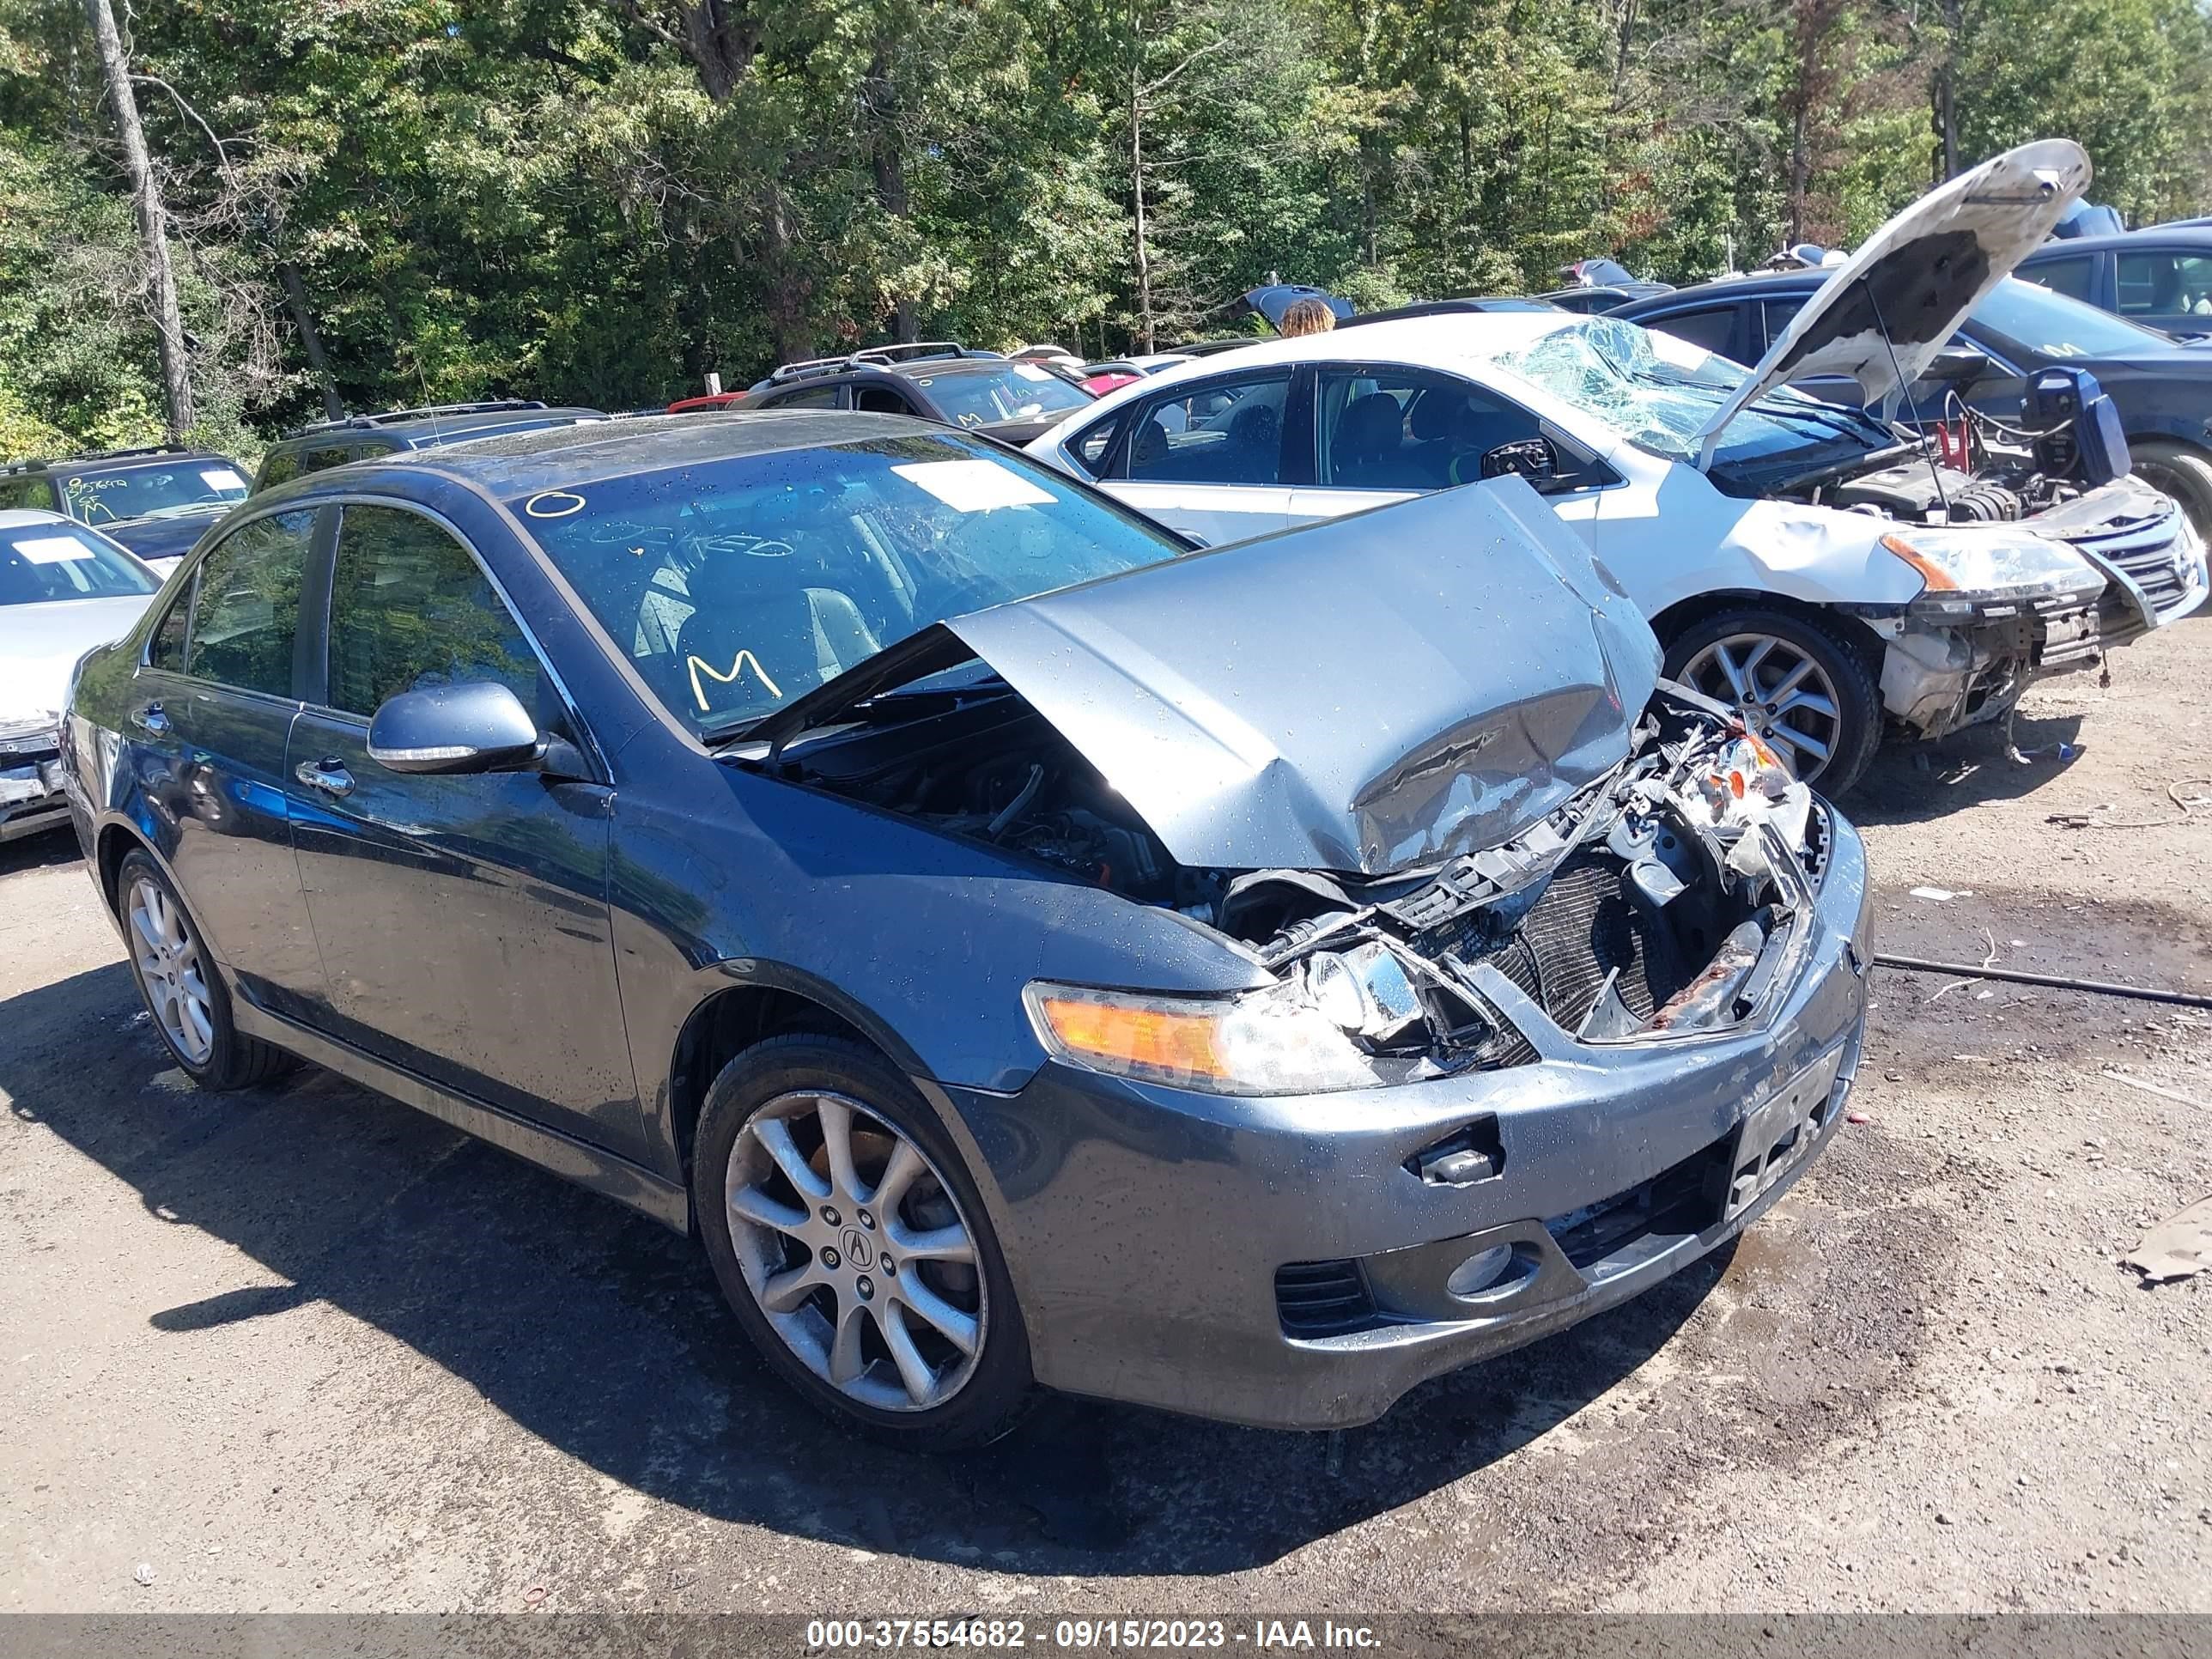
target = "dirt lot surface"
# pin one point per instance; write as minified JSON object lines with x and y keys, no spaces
{"x":302,"y":1348}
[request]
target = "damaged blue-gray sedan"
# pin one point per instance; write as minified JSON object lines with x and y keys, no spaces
{"x":1024,"y":950}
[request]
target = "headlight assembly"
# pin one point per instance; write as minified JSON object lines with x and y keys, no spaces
{"x":1274,"y":1041}
{"x":1966,"y":568}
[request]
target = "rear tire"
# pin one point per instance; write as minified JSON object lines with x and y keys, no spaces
{"x":1797,"y":676}
{"x":183,"y":987}
{"x":817,"y":1167}
{"x":2182,"y":472}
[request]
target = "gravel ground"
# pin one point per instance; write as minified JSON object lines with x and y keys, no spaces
{"x":304,"y":1349}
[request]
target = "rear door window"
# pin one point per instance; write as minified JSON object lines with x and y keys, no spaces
{"x":1226,"y":431}
{"x":2070,"y":276}
{"x":2162,"y":284}
{"x":1395,"y":429}
{"x":821,"y":397}
{"x":882,"y":400}
{"x":246,"y":622}
{"x":1711,"y":329}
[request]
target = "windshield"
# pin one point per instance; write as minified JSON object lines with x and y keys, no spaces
{"x":2035,"y":319}
{"x":40,"y":564}
{"x":1018,"y":392}
{"x":1658,"y":392}
{"x":192,"y":484}
{"x":737,"y":587}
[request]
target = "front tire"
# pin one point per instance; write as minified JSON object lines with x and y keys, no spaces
{"x":853,"y":1247}
{"x":2182,"y":472}
{"x":1794,"y":681}
{"x":183,"y":987}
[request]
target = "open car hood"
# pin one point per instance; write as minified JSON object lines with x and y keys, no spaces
{"x":1919,"y":275}
{"x":1368,"y":695}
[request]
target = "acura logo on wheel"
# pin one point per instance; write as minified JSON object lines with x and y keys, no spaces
{"x":858,"y":1250}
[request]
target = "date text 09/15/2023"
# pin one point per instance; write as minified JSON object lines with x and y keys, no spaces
{"x":1087,"y":1635}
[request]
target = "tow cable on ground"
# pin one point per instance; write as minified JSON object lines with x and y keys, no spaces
{"x":2058,"y":981}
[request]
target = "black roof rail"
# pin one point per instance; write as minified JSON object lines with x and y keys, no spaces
{"x":42,"y":464}
{"x":807,"y":368}
{"x":883,"y":356}
{"x":914,"y":349}
{"x":427,"y":412}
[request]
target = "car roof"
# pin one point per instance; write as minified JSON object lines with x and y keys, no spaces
{"x":931,"y":368}
{"x":1450,"y":305}
{"x":2193,"y":236}
{"x":1750,"y":285}
{"x":513,"y":463}
{"x":1447,"y":339}
{"x":23,"y":518}
{"x":1464,"y":336}
{"x":407,"y":425}
{"x":112,"y":460}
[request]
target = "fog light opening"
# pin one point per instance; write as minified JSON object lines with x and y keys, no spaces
{"x":1480,"y":1271}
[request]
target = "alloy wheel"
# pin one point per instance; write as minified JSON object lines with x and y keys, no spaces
{"x":169,"y":965}
{"x":856,"y":1251}
{"x":1783,"y":696}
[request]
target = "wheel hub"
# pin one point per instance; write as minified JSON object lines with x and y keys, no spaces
{"x":856,"y":1252}
{"x":168,"y":962}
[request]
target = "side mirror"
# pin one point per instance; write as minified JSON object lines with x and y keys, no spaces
{"x":478,"y":727}
{"x":1532,"y":457}
{"x":1957,"y":366}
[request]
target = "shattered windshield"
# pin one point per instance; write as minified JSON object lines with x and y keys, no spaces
{"x":1658,"y":392}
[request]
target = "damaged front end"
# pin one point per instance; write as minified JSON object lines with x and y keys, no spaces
{"x":1661,"y":900}
{"x":2051,"y":590}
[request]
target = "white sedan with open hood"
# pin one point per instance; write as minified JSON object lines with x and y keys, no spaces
{"x":1817,"y":567}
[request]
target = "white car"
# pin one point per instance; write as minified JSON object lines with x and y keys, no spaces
{"x":1804,"y":561}
{"x":64,"y":588}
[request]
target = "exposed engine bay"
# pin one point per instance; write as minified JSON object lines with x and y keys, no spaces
{"x":1976,"y":469}
{"x":1658,"y":899}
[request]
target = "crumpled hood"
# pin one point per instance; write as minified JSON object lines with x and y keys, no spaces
{"x":40,"y":645}
{"x":1920,"y":274}
{"x":1366,"y":695}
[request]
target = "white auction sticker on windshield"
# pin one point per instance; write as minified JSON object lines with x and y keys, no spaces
{"x":54,"y":550}
{"x":1030,"y":371}
{"x":974,"y":486}
{"x":222,"y":477}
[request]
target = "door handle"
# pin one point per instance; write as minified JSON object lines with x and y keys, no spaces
{"x":328,"y":775}
{"x":151,"y":717}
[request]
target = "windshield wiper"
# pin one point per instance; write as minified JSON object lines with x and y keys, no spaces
{"x":718,"y":737}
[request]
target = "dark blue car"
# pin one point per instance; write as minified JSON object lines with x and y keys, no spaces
{"x":2161,"y":386}
{"x":1023,"y":952}
{"x":2161,"y":278}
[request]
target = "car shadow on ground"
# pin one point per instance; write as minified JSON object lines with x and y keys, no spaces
{"x":603,"y":1334}
{"x":46,"y":850}
{"x":1913,"y":783}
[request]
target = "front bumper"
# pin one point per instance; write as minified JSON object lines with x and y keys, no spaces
{"x":1940,"y":673}
{"x":31,"y":797}
{"x":1277,"y":1262}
